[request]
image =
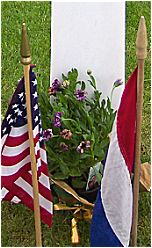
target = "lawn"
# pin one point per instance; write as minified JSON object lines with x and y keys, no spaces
{"x":17,"y":222}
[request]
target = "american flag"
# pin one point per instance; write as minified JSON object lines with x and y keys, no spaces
{"x":16,"y":175}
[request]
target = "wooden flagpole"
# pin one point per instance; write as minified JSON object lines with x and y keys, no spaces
{"x":141,"y":53}
{"x":26,"y":60}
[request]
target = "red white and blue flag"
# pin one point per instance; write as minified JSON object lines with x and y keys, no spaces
{"x":16,"y":175}
{"x":112,"y":214}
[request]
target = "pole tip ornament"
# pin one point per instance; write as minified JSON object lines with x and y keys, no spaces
{"x":25,"y":47}
{"x":141,"y":41}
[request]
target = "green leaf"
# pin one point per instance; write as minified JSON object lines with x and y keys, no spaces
{"x":83,"y":85}
{"x":64,"y":168}
{"x":98,"y":175}
{"x":92,"y":137}
{"x":73,"y":75}
{"x":78,"y":82}
{"x":86,"y":136}
{"x":66,"y":121}
{"x":75,"y":172}
{"x":83,"y":124}
{"x":59,"y":176}
{"x":64,"y":77}
{"x":98,"y":151}
{"x":103,"y":102}
{"x":92,"y":81}
{"x":108,"y":104}
{"x":90,"y":121}
{"x":85,"y":155}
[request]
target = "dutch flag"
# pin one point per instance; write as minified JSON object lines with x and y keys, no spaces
{"x":112,"y":214}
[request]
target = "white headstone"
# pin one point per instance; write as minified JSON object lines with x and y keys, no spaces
{"x":89,"y":35}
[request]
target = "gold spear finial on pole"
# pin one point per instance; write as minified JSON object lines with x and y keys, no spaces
{"x":26,"y":60}
{"x":141,"y":41}
{"x":141,"y":53}
{"x":25,"y":47}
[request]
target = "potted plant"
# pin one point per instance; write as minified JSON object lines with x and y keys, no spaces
{"x":77,"y":130}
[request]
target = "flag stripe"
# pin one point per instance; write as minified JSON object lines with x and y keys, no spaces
{"x":20,"y":152}
{"x":102,"y":234}
{"x":126,"y":120}
{"x":43,"y":155}
{"x":28,"y":179}
{"x":45,"y":169}
{"x":3,"y":139}
{"x":28,"y":201}
{"x":116,"y":192}
{"x":43,"y":179}
{"x":15,"y":161}
{"x":4,"y":192}
{"x":18,"y":131}
{"x":16,"y":141}
{"x":16,"y":177}
{"x":7,"y":180}
{"x":44,"y":203}
{"x":11,"y":151}
{"x":112,"y":214}
{"x":15,"y":199}
{"x":10,"y":170}
{"x":9,"y":196}
{"x":20,"y":142}
{"x":17,"y":170}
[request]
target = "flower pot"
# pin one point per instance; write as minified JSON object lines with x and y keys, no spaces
{"x":89,"y":195}
{"x":68,"y":198}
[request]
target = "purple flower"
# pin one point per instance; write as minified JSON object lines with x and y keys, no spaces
{"x":64,"y":147}
{"x":118,"y":82}
{"x":47,"y":134}
{"x":56,"y":84}
{"x":55,"y":87}
{"x":83,"y":145}
{"x":80,"y":95}
{"x":57,"y":119}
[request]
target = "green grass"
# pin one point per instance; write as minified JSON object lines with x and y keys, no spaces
{"x":17,"y":222}
{"x":133,"y":12}
{"x":37,"y":17}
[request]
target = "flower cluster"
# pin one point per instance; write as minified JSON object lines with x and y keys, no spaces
{"x":57,"y":119}
{"x":118,"y":82}
{"x":55,"y":87}
{"x":77,"y":126}
{"x":83,"y":145}
{"x":47,"y":134}
{"x":80,"y":95}
{"x":66,"y":134}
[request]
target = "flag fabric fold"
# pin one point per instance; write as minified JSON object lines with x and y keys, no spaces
{"x":112,"y":214}
{"x":16,"y":175}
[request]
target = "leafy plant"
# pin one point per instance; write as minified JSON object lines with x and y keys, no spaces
{"x":77,"y":127}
